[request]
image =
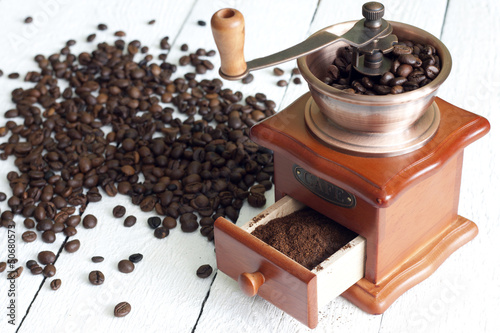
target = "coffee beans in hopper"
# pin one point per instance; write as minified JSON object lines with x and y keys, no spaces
{"x":413,"y":65}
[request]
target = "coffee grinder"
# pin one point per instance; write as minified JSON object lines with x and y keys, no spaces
{"x":386,"y":167}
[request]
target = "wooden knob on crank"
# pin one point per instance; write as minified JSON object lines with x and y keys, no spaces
{"x":228,"y":29}
{"x":250,"y":283}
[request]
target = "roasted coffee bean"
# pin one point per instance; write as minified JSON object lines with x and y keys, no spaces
{"x":30,"y":264}
{"x":154,"y":222}
{"x":3,"y":265}
{"x":55,"y":284}
{"x":46,"y":257}
{"x":96,"y":278}
{"x":3,"y":196}
{"x":169,"y":222}
{"x":49,"y":271}
{"x":247,"y":79}
{"x":102,"y":27}
{"x":126,"y":266}
{"x":97,"y":259}
{"x":28,"y":19}
{"x":15,"y":273}
{"x":49,"y":236}
{"x":135,"y":258}
{"x":72,"y":246}
{"x":29,"y":236}
{"x":129,"y":221}
{"x":119,"y":211}
{"x":122,"y":309}
{"x":282,"y":83}
{"x":188,"y":222}
{"x":204,"y":271}
{"x":36,"y":270}
{"x":89,"y":221}
{"x":278,"y":71}
{"x":256,"y":200}
{"x":297,"y":80}
{"x":400,"y":49}
{"x":69,"y":231}
{"x":161,"y":232}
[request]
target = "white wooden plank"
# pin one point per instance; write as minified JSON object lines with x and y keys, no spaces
{"x":54,"y":23}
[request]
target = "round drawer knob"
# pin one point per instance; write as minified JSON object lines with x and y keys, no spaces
{"x":251,"y":282}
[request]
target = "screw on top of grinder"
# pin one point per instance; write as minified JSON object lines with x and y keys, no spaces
{"x":373,"y":13}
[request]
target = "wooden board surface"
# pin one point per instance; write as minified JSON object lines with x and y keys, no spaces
{"x":462,"y":296}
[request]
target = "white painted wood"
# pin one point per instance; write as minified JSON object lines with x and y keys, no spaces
{"x":462,"y":296}
{"x":75,"y":305}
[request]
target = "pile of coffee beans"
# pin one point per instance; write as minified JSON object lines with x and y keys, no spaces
{"x":413,"y":65}
{"x":114,"y":130}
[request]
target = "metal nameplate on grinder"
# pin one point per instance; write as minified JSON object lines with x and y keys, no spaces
{"x":323,"y":189}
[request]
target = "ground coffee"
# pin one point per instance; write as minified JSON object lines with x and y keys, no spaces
{"x":306,"y":236}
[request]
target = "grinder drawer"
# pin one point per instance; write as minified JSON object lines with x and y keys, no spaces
{"x":261,"y":269}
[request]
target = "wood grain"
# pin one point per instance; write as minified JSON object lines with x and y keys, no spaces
{"x":462,"y":296}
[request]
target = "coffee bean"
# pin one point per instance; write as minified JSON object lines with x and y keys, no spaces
{"x":188,"y":222}
{"x":36,"y":270}
{"x":247,"y":79}
{"x":130,"y":221}
{"x":204,"y":271}
{"x":15,"y":273}
{"x":151,"y":22}
{"x":102,"y":27}
{"x":3,"y":265}
{"x":11,"y":76}
{"x":297,"y":80}
{"x":46,"y":257}
{"x":169,"y":222}
{"x":91,"y":37}
{"x":135,"y":258}
{"x":28,"y":19}
{"x":154,"y":222}
{"x":202,"y":23}
{"x":119,"y":211}
{"x":96,"y":278}
{"x":49,"y":236}
{"x":122,"y":309}
{"x":282,"y":83}
{"x":161,"y":232}
{"x":97,"y":259}
{"x":69,"y":231}
{"x":49,"y":271}
{"x":89,"y":221}
{"x":31,"y":263}
{"x":72,"y":246}
{"x":120,"y":33}
{"x":256,"y":200}
{"x":55,"y":284}
{"x":126,"y":266}
{"x":3,"y":196}
{"x":29,"y":236}
{"x":278,"y":71}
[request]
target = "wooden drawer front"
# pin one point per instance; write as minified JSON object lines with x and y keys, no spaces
{"x":286,"y":284}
